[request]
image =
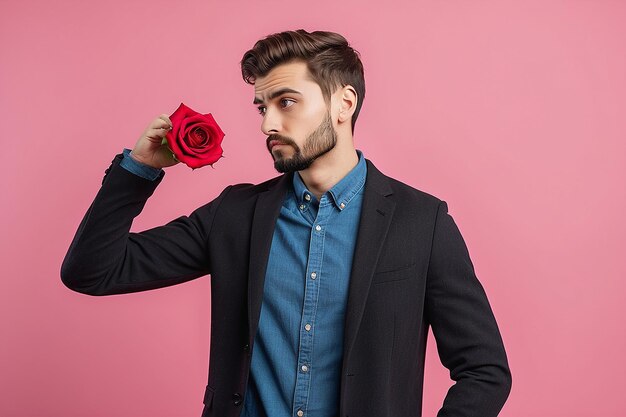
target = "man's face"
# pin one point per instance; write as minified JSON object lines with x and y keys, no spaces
{"x":296,"y":119}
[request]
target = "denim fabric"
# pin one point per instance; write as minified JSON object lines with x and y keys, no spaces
{"x":143,"y":170}
{"x":297,"y":355}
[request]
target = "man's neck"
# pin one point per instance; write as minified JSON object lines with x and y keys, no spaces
{"x":329,"y":169}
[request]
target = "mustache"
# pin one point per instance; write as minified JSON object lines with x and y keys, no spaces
{"x":282,"y":139}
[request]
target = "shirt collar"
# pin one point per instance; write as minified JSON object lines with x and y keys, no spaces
{"x":341,"y":193}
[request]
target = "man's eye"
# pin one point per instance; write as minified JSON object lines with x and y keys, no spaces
{"x":261,"y":109}
{"x":287,"y":99}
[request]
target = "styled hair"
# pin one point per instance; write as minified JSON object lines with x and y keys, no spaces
{"x":330,"y":60}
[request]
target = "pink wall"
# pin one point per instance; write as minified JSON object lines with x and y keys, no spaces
{"x":512,"y":112}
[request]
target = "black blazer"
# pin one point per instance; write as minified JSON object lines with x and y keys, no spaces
{"x":411,"y":270}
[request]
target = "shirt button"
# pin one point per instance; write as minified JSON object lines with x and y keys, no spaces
{"x":307,"y":327}
{"x":313,"y":275}
{"x":307,"y":197}
{"x":304,"y":368}
{"x":342,"y":205}
{"x":318,"y":227}
{"x":301,"y":206}
{"x":300,"y":413}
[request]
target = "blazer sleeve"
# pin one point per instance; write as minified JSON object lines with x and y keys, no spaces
{"x":467,"y":336}
{"x":106,"y":258}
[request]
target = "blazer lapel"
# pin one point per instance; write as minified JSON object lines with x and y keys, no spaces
{"x":266,"y":213}
{"x":376,"y":214}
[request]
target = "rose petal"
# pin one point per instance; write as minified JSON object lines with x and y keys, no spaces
{"x":212,"y":121}
{"x":181,"y":113}
{"x":202,"y":141}
{"x":184,"y":146}
{"x":188,"y":140}
{"x":198,"y":137}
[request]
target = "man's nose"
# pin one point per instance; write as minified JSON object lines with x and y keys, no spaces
{"x":271,"y":122}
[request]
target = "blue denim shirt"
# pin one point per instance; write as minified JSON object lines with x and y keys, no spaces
{"x":297,"y":355}
{"x":138,"y":168}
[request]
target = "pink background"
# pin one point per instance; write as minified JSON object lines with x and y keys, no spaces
{"x":513,"y":112}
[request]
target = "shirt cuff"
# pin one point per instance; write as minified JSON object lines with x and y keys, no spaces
{"x":137,"y":168}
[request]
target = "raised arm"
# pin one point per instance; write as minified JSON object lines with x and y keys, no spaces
{"x":106,"y":258}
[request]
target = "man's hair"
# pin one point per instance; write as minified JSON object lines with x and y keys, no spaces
{"x":330,"y":61}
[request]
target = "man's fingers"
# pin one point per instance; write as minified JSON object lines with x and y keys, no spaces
{"x":159,"y":127}
{"x":160,"y":123}
{"x":167,"y":120}
{"x":159,"y":133}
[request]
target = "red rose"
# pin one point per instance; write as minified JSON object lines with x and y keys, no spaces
{"x":195,"y":139}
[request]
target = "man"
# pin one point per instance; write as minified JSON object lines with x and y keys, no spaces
{"x":325,"y":279}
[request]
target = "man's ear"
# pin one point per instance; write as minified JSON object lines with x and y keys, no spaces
{"x":347,"y":103}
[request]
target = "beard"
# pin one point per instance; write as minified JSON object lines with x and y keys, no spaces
{"x":321,"y":141}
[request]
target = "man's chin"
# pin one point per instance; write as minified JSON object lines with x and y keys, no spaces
{"x":281,"y":166}
{"x":285,"y":165}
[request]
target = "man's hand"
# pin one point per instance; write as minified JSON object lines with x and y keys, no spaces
{"x":148,"y":149}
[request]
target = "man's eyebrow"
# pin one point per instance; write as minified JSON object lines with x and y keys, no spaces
{"x":276,"y":94}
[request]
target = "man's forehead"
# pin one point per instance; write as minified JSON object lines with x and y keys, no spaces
{"x":285,"y":78}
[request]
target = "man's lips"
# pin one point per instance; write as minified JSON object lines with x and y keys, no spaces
{"x":275,"y":143}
